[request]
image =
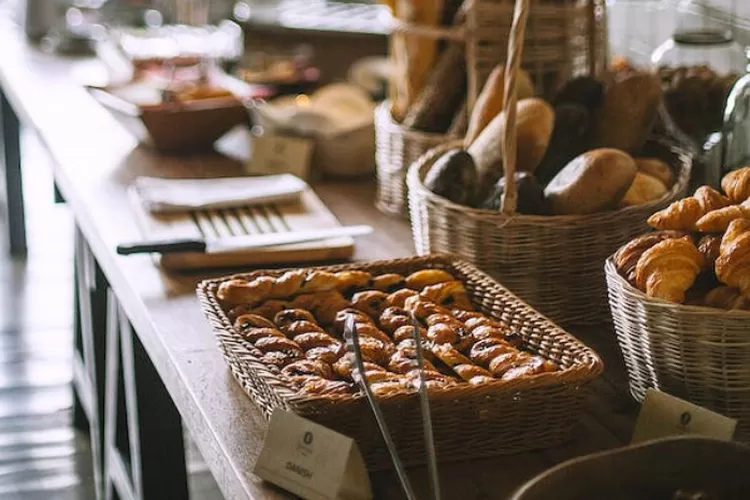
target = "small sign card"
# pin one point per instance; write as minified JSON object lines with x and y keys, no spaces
{"x":663,"y":415}
{"x":312,"y":461}
{"x":277,"y":154}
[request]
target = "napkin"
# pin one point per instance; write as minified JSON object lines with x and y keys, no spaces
{"x":179,"y":195}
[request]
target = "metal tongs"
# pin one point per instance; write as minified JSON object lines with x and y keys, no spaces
{"x":351,"y":336}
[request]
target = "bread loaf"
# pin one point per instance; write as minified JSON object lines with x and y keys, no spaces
{"x":490,"y":101}
{"x":628,"y":113}
{"x":534,"y":121}
{"x":593,"y":182}
{"x":656,"y":168}
{"x":644,"y":188}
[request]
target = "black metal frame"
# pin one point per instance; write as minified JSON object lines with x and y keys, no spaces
{"x":13,"y":182}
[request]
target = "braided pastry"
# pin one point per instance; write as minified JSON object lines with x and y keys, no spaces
{"x":682,"y":215}
{"x":717,"y":221}
{"x":442,"y":334}
{"x":319,"y":281}
{"x":279,"y":359}
{"x":532,"y":366}
{"x":239,"y":291}
{"x":668,"y":269}
{"x":393,"y":318}
{"x":327,"y":354}
{"x":427,"y":277}
{"x":298,"y":327}
{"x":388,"y":283}
{"x":345,"y":367}
{"x":405,"y":360}
{"x":252,"y":334}
{"x":406,"y":332}
{"x":725,"y":297}
{"x":470,"y":372}
{"x":422,"y":308}
{"x":308,"y":367}
{"x":312,"y":340}
{"x":398,"y":299}
{"x":339,"y":322}
{"x":737,"y":184}
{"x":287,"y":285}
{"x":352,"y":281}
{"x":484,"y":351}
{"x":316,"y":386}
{"x":627,"y":257}
{"x":504,"y":362}
{"x":733,"y":264}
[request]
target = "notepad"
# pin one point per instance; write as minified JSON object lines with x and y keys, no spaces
{"x":180,"y":195}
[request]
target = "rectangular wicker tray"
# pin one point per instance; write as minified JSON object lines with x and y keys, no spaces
{"x":469,"y":422}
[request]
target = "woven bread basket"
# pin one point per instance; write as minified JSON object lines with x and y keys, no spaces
{"x":564,"y":38}
{"x":552,"y":262}
{"x":470,"y":421}
{"x":700,"y":354}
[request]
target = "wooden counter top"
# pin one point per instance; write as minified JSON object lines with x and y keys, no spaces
{"x":96,"y":159}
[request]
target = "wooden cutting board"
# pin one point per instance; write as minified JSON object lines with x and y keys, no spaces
{"x":309,"y":213}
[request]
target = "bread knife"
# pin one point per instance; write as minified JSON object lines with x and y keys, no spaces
{"x":239,"y":243}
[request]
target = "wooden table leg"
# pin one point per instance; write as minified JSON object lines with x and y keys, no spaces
{"x":13,"y":182}
{"x":145,"y":454}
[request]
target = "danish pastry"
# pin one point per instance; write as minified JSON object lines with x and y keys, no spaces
{"x":442,"y":334}
{"x":281,"y":344}
{"x":372,"y":331}
{"x":398,"y":299}
{"x":352,"y":281}
{"x":345,"y":366}
{"x":252,"y":334}
{"x":372,"y":302}
{"x":448,"y":294}
{"x":288,"y":316}
{"x":470,"y":371}
{"x":339,"y":322}
{"x":311,"y":340}
{"x":317,"y":386}
{"x":393,"y":318}
{"x":299,"y":327}
{"x":388,"y":282}
{"x":270,"y":308}
{"x":422,"y":308}
{"x":406,"y":332}
{"x":279,"y":359}
{"x":238,"y":291}
{"x":252,"y":321}
{"x":287,"y":285}
{"x":484,"y":351}
{"x":427,"y":277}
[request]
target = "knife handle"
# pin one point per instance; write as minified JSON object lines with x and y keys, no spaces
{"x":166,"y":246}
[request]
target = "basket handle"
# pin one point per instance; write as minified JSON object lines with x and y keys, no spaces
{"x":515,"y":51}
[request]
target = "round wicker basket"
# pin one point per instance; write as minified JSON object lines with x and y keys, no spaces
{"x":700,"y":354}
{"x":397,"y":147}
{"x":564,"y":38}
{"x":552,"y":262}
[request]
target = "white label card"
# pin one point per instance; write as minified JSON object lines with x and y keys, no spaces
{"x":312,"y":461}
{"x":276,"y":154}
{"x":663,"y":415}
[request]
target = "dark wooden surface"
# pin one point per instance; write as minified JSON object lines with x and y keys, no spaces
{"x":96,"y":159}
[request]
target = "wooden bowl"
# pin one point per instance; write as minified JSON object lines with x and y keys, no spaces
{"x":194,"y":126}
{"x":651,"y":470}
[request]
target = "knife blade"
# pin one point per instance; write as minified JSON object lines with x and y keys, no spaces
{"x":239,"y":243}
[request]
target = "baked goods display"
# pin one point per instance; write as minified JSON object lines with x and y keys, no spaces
{"x":296,"y":321}
{"x":583,"y":149}
{"x":701,"y":255}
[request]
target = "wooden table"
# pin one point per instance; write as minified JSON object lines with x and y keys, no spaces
{"x":162,"y":367}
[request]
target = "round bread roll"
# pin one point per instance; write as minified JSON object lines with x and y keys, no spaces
{"x":656,"y":168}
{"x":644,"y":188}
{"x":592,"y":182}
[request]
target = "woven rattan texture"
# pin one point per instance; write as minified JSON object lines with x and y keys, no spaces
{"x":553,"y":263}
{"x":563,"y":38}
{"x":469,"y":421}
{"x":700,"y":354}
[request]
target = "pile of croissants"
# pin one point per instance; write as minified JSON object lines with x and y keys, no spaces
{"x":577,"y":153}
{"x":701,"y":253}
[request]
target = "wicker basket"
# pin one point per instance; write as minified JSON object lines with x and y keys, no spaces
{"x":397,"y":147}
{"x":469,"y":421}
{"x":564,"y":38}
{"x":700,"y":354}
{"x":553,"y":263}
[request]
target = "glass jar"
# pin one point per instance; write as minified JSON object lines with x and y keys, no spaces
{"x":700,"y":40}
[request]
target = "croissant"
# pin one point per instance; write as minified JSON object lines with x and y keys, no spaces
{"x":427,"y":277}
{"x":668,"y":269}
{"x":733,"y":264}
{"x":717,"y":221}
{"x":737,"y":184}
{"x":683,"y":214}
{"x":710,"y":246}
{"x":725,"y":297}
{"x":627,"y":257}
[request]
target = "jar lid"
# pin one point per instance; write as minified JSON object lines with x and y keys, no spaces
{"x":703,"y":37}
